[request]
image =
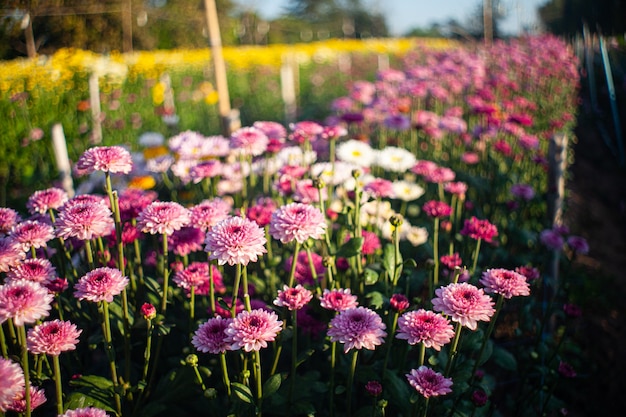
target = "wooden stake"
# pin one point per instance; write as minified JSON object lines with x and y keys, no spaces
{"x":63,"y":161}
{"x":94,"y":101}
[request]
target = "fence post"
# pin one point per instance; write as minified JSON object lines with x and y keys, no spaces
{"x":288,"y":88}
{"x":608,"y":73}
{"x":96,"y":112}
{"x":63,"y":161}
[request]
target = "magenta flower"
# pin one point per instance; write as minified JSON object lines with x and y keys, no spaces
{"x":163,"y":217}
{"x":249,"y":141}
{"x":43,"y":200}
{"x":132,"y":201}
{"x":113,"y":159}
{"x":101,"y":284}
{"x":11,"y":382}
{"x":451,"y":261}
{"x":479,"y":229}
{"x":210,"y":212}
{"x":505,"y":282}
{"x":37,"y":397}
{"x":437,"y":209}
{"x":186,"y":240}
{"x":464,"y":303}
{"x":8,"y":219}
{"x":399,"y":302}
{"x":38,"y":270}
{"x":305,"y":131}
{"x":194,"y":275}
{"x":24,"y":302}
{"x":529,"y":272}
{"x":251,"y":330}
{"x":273,"y":130}
{"x":374,"y":388}
{"x":84,"y":220}
{"x":297,"y":221}
{"x":211,"y":336}
{"x":428,"y":382}
{"x":440,"y":175}
{"x":32,"y":233}
{"x":379,"y":188}
{"x":427,"y":327}
{"x":205,"y":169}
{"x":235,"y":240}
{"x":53,"y":337}
{"x":456,"y":188}
{"x":357,"y":328}
{"x":293,"y":298}
{"x":303,"y":273}
{"x":261,"y":212}
{"x":338,"y":299}
{"x":148,"y":311}
{"x":85,"y":412}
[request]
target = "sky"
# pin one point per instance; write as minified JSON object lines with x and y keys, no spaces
{"x":403,"y":15}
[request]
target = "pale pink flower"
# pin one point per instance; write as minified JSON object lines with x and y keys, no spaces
{"x":8,"y":219}
{"x":427,"y":327}
{"x":11,"y":253}
{"x":305,"y":131}
{"x":11,"y":382}
{"x":424,"y":167}
{"x":504,"y":282}
{"x":464,"y":303}
{"x":440,"y":175}
{"x":293,"y":298}
{"x":338,"y":299}
{"x":249,"y":141}
{"x":457,"y":188}
{"x":37,"y":397}
{"x":205,"y":169}
{"x":43,"y":200}
{"x":235,"y":240}
{"x":379,"y":188}
{"x":357,"y":328}
{"x":84,"y":221}
{"x":210,"y":212}
{"x":251,"y":330}
{"x":163,"y":217}
{"x":297,"y":221}
{"x":38,"y":270}
{"x":428,"y":382}
{"x":132,"y":201}
{"x":272,"y":130}
{"x":52,"y":337}
{"x":186,"y":240}
{"x":32,"y":233}
{"x":211,"y":336}
{"x":479,"y":229}
{"x":113,"y":159}
{"x":24,"y":302}
{"x":101,"y":284}
{"x":85,"y":412}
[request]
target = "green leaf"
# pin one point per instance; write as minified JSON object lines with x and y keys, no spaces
{"x":304,"y":356}
{"x":487,"y":353}
{"x":504,"y":359}
{"x":351,"y":248}
{"x":242,"y":392}
{"x":388,"y":258}
{"x":91,"y":390}
{"x":376,"y":299}
{"x":272,"y":385}
{"x":398,"y":390}
{"x":370,"y":276}
{"x":92,"y":381}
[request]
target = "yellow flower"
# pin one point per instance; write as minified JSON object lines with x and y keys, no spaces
{"x":144,"y":182}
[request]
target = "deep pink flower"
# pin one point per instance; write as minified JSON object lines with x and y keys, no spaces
{"x":504,"y":282}
{"x":148,"y":311}
{"x":428,"y":382}
{"x":451,"y":261}
{"x":32,"y":233}
{"x":427,"y":327}
{"x":186,"y":240}
{"x":210,"y":212}
{"x":379,"y":188}
{"x":424,"y":167}
{"x":113,"y":159}
{"x":578,"y":244}
{"x":235,"y":240}
{"x":53,"y":337}
{"x":251,"y":330}
{"x":305,"y":131}
{"x":249,"y":141}
{"x":470,"y":158}
{"x":437,"y":209}
{"x":194,"y":275}
{"x":37,"y":397}
{"x":440,"y":175}
{"x":43,"y":200}
{"x":479,"y":229}
{"x":38,"y":270}
{"x":205,"y":287}
{"x":293,"y":298}
{"x":84,"y":221}
{"x":211,"y":336}
{"x":101,"y":284}
{"x":11,"y":382}
{"x":85,"y":412}
{"x":303,"y":274}
{"x":163,"y":217}
{"x":357,"y":328}
{"x":57,"y":285}
{"x":399,"y":302}
{"x":24,"y":302}
{"x":338,"y":299}
{"x":297,"y":221}
{"x":8,"y":219}
{"x":457,"y":188}
{"x":464,"y":303}
{"x":205,"y":169}
{"x":132,"y":201}
{"x":479,"y":398}
{"x":529,"y":272}
{"x":261,"y":212}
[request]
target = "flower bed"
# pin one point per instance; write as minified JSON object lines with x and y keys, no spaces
{"x":393,"y":260}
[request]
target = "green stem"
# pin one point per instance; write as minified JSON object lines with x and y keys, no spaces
{"x":259,"y":383}
{"x":57,"y":381}
{"x":166,"y":273}
{"x":422,"y":354}
{"x":111,"y":355}
{"x":331,"y":391}
{"x":453,"y":350}
{"x":225,"y":372}
{"x":25,"y":367}
{"x":436,"y":254}
{"x":147,"y":351}
{"x":294,"y":355}
{"x":294,"y":263}
{"x":244,"y":282}
{"x":394,"y":323}
{"x":89,"y":253}
{"x":192,"y":310}
{"x":475,"y":261}
{"x":233,"y":307}
{"x":351,"y":382}
{"x":3,"y":343}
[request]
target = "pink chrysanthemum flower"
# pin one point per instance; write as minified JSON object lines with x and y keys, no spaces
{"x":11,"y":382}
{"x":451,"y":261}
{"x":205,"y":287}
{"x":457,"y":188}
{"x":194,"y":275}
{"x":399,"y":302}
{"x":479,"y":229}
{"x":132,"y":201}
{"x":113,"y":159}
{"x":24,"y":302}
{"x":338,"y":299}
{"x":440,"y":175}
{"x":11,"y":253}
{"x":305,"y":131}
{"x":379,"y":188}
{"x":37,"y":397}
{"x":205,"y":169}
{"x":357,"y":328}
{"x":529,"y":272}
{"x":101,"y":284}
{"x":303,"y":273}
{"x":84,"y":221}
{"x":186,"y":240}
{"x":427,"y":327}
{"x":38,"y":270}
{"x":505,"y":282}
{"x":85,"y":412}
{"x":32,"y":233}
{"x":293,"y":298}
{"x":53,"y":337}
{"x":249,"y":141}
{"x":297,"y":221}
{"x":235,"y":240}
{"x":428,"y":382}
{"x":464,"y":303}
{"x":211,"y":336}
{"x":261,"y":212}
{"x":8,"y":219}
{"x":272,"y":130}
{"x":43,"y":200}
{"x":438,"y":209}
{"x":163,"y":217}
{"x":251,"y":330}
{"x":210,"y":212}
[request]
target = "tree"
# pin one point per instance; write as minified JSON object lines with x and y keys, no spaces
{"x":566,"y":17}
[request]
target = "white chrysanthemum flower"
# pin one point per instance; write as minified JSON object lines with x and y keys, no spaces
{"x":376,"y":212}
{"x":395,"y":159}
{"x":417,"y":235}
{"x":294,"y":155}
{"x":407,"y":191}
{"x":356,"y":152}
{"x":324,"y":171}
